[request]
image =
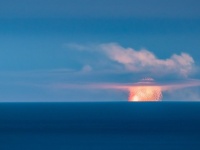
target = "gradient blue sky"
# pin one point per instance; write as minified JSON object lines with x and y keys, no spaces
{"x":44,"y":45}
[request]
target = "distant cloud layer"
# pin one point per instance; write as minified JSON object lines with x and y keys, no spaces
{"x":145,"y":61}
{"x":105,"y":72}
{"x":140,"y":61}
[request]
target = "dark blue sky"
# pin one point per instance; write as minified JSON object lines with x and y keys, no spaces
{"x":100,"y":8}
{"x":44,"y":45}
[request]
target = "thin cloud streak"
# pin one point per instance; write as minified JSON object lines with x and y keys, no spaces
{"x":172,"y":89}
{"x":126,"y":86}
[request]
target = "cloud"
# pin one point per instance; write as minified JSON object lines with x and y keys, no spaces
{"x":183,"y":90}
{"x":169,"y":86}
{"x":86,"y":68}
{"x":71,"y":85}
{"x":146,"y":61}
{"x":185,"y":94}
{"x":113,"y":56}
{"x":109,"y":70}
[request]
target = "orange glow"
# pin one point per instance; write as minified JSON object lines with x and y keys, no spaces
{"x":145,"y":93}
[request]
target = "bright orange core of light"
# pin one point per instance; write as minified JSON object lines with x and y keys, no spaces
{"x":145,"y":93}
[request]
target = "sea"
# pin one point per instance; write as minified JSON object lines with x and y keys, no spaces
{"x":100,"y":126}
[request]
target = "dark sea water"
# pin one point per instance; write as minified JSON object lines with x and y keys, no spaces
{"x":100,"y":126}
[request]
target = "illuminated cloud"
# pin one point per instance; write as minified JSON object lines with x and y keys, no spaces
{"x":117,"y":62}
{"x":138,"y":61}
{"x":145,"y":61}
{"x":187,"y":89}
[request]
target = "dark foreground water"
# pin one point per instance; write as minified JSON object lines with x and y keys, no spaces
{"x":99,"y":126}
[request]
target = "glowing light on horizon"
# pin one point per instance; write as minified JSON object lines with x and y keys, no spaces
{"x":145,"y":92}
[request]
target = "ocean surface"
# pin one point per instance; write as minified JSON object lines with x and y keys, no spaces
{"x":100,"y":126}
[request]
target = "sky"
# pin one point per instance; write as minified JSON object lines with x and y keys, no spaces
{"x":55,"y":50}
